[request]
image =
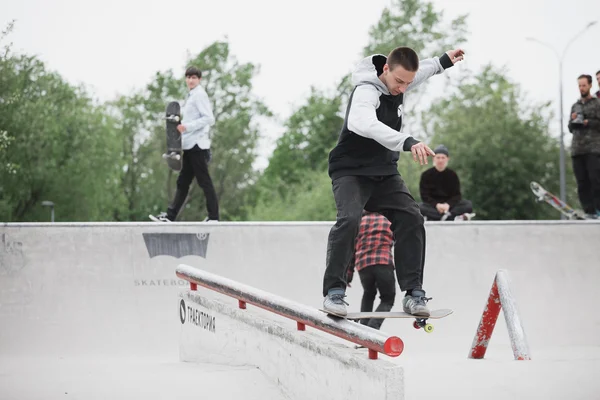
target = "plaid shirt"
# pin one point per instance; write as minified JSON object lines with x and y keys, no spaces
{"x":374,"y":243}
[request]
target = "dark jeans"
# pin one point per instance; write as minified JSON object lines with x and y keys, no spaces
{"x":389,"y":196}
{"x":432,"y":214}
{"x":195,"y":165}
{"x":587,"y":172}
{"x":372,"y":278}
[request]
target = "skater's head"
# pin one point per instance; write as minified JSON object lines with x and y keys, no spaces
{"x":192,"y":77}
{"x":400,"y":69}
{"x":442,"y":155}
{"x":585,"y":84}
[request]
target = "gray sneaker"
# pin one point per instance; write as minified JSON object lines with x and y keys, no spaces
{"x":416,"y":303}
{"x":334,"y":304}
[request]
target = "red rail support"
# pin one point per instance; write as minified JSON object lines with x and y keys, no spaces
{"x":501,"y":297}
{"x":374,"y":340}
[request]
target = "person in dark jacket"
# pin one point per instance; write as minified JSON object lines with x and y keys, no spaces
{"x":584,"y":124}
{"x":440,"y":191}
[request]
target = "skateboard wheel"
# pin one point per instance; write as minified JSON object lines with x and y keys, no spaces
{"x":416,"y":325}
{"x":428,"y":328}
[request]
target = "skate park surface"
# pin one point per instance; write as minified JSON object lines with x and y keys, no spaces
{"x":89,"y":311}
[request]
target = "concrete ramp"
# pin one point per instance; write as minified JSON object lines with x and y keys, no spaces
{"x":78,"y":301}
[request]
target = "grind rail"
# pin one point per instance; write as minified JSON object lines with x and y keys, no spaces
{"x":375,"y":341}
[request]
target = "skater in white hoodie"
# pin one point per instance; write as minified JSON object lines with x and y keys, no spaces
{"x":364,"y":172}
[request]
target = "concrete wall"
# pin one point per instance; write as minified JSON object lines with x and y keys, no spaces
{"x":102,"y":288}
{"x":306,"y":365}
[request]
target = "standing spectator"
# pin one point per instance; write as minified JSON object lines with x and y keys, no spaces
{"x":585,"y":148}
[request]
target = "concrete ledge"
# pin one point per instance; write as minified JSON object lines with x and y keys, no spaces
{"x":305,"y":364}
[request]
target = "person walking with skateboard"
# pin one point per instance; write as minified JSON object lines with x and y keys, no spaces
{"x":195,"y":137}
{"x":364,"y":172}
{"x":373,"y":259}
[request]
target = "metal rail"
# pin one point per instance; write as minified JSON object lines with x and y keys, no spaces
{"x":374,"y":340}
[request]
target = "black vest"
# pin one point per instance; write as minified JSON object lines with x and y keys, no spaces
{"x":357,"y":155}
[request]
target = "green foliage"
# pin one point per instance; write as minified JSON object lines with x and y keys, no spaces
{"x":309,"y":200}
{"x":498,"y":144}
{"x":415,"y":24}
{"x":311,"y":133}
{"x":56,"y":145}
{"x":103,"y":162}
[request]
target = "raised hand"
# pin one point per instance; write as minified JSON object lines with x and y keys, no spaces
{"x":456,"y":55}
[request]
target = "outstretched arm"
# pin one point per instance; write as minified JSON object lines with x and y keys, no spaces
{"x":434,"y":66}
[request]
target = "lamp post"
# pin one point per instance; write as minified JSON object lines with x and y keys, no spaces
{"x":563,"y":188}
{"x":51,"y":205}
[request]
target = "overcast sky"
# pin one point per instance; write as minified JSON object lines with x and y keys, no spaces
{"x":113,"y":46}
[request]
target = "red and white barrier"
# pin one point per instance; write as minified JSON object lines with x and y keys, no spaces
{"x":501,"y":297}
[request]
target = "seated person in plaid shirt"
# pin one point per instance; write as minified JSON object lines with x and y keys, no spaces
{"x":374,"y":261}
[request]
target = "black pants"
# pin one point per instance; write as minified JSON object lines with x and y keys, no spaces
{"x":372,"y":278}
{"x":389,"y":196}
{"x":195,"y":164}
{"x":432,"y":214}
{"x":587,"y":173}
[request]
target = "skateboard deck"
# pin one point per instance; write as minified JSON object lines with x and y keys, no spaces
{"x":420,"y":321}
{"x":543,"y":195}
{"x":434,"y":314}
{"x":174,"y":153}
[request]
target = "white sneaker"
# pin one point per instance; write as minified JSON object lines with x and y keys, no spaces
{"x":162,"y":217}
{"x":465,"y":217}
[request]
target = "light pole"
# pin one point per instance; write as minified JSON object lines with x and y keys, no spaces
{"x":563,"y":184}
{"x":51,"y":205}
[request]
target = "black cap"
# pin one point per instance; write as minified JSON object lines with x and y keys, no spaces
{"x":441,"y":149}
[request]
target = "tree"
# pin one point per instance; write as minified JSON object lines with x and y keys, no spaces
{"x":415,"y":24}
{"x":58,"y":145}
{"x":308,"y":200}
{"x":311,"y":132}
{"x":499,"y":143}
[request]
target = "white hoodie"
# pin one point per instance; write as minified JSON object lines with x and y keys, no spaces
{"x":362,"y":116}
